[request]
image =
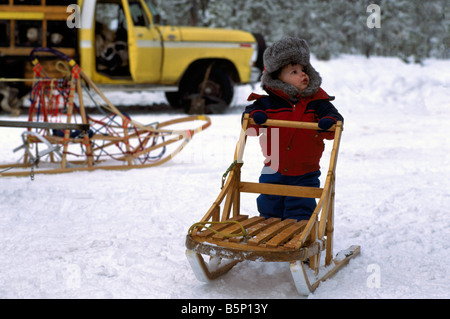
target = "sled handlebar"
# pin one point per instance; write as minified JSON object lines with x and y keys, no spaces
{"x":59,"y":54}
{"x":294,"y":124}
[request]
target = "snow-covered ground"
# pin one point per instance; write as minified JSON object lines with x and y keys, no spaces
{"x":120,"y":234}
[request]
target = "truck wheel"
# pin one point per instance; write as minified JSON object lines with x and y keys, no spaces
{"x":174,"y":99}
{"x":218,"y":91}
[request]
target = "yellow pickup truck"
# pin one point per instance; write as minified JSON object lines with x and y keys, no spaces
{"x":121,"y":44}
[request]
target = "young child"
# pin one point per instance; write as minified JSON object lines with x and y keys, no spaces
{"x":294,"y":94}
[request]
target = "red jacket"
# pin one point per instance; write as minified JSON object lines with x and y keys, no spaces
{"x":293,"y":152}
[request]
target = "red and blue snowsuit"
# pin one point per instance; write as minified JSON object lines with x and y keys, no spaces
{"x":299,"y":150}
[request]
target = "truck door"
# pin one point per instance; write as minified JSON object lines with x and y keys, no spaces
{"x":144,"y":43}
{"x":127,"y":44}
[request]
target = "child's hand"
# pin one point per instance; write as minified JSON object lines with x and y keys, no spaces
{"x":326,"y":122}
{"x":259,"y":117}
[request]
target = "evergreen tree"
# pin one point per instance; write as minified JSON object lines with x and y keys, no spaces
{"x":410,"y":29}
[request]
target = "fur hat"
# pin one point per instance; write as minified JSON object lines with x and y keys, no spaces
{"x":286,"y":51}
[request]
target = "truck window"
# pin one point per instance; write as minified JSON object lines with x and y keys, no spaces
{"x":4,"y":33}
{"x":28,"y":2}
{"x":64,"y":3}
{"x":151,"y":7}
{"x":38,"y":2}
{"x":154,"y":12}
{"x":137,"y":14}
{"x":110,"y":22}
{"x":111,"y":48}
{"x":29,"y":33}
{"x":59,"y":35}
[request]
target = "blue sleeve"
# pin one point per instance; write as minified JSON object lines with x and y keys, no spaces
{"x":325,"y":108}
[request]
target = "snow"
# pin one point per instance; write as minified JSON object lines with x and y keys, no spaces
{"x":120,"y":234}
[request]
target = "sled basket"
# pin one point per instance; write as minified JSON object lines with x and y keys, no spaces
{"x":228,"y":236}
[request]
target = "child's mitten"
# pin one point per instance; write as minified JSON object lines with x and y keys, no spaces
{"x":259,"y":117}
{"x":326,"y":122}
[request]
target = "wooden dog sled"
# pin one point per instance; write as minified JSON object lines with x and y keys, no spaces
{"x":74,"y":140}
{"x":228,"y":236}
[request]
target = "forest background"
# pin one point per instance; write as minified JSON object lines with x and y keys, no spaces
{"x":409,"y":29}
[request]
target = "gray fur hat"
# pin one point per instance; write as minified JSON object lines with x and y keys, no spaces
{"x":281,"y":53}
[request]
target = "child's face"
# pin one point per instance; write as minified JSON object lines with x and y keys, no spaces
{"x":294,"y":75}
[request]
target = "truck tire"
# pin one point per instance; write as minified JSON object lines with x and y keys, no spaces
{"x":218,"y":92}
{"x":174,"y":99}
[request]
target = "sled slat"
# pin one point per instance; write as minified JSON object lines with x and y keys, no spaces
{"x":252,"y":231}
{"x":270,"y":232}
{"x":286,"y":234}
{"x":220,"y":227}
{"x":295,"y":242}
{"x":237,"y":228}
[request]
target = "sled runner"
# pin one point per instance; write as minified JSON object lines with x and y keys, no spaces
{"x":228,"y":236}
{"x":75,"y":140}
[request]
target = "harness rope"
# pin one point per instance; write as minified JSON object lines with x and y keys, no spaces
{"x":224,"y":176}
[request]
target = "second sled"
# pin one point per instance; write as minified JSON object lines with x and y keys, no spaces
{"x":227,"y":236}
{"x":63,"y":137}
